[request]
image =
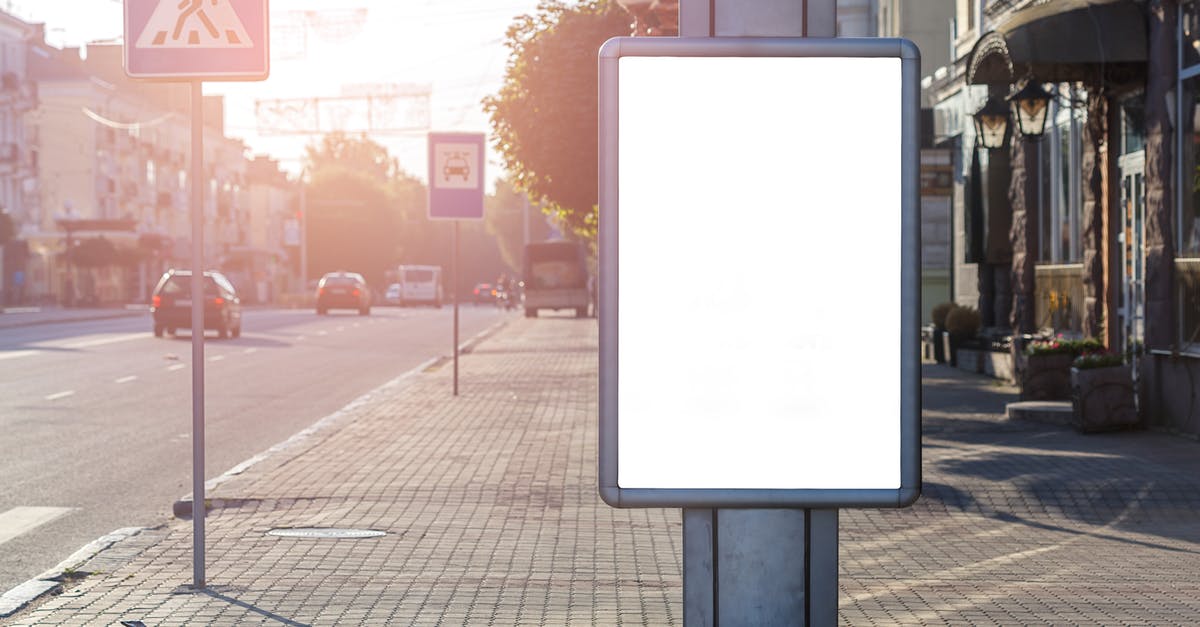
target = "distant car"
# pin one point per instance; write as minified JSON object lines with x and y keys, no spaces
{"x":420,"y":284}
{"x":485,"y":293}
{"x":343,"y":290}
{"x":392,"y":295}
{"x":171,"y":304}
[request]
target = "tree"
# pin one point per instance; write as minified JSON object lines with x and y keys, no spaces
{"x":544,"y":115}
{"x":505,"y":220}
{"x":360,"y":154}
{"x":352,"y":224}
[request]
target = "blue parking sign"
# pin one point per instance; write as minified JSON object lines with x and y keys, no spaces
{"x":456,"y":176}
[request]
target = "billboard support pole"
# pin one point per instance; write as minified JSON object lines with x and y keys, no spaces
{"x":454,"y":295}
{"x":759,"y":566}
{"x":197,"y":193}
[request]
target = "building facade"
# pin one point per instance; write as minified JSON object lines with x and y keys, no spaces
{"x":87,"y":154}
{"x":1090,"y":229}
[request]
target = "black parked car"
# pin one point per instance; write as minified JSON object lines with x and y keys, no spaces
{"x":343,"y":290}
{"x":171,"y":304}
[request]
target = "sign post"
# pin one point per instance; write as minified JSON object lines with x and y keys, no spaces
{"x":456,"y":193}
{"x":193,"y":41}
{"x":761,"y":430}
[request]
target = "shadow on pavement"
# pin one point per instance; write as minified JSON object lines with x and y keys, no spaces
{"x":257,"y":610}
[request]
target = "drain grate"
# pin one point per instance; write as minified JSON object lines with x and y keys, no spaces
{"x":325,"y":532}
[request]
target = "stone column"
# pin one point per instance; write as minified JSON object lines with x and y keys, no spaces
{"x":1092,"y":214}
{"x":1022,"y":196}
{"x":1160,"y":177}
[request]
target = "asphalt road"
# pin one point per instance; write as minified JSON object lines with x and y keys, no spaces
{"x":95,"y":417}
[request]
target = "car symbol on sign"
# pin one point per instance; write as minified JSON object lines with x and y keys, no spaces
{"x":456,"y":165}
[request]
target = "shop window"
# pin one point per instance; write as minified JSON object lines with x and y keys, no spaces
{"x":1189,"y":21}
{"x":1133,"y":124}
{"x":1060,"y":190}
{"x":1187,"y":217}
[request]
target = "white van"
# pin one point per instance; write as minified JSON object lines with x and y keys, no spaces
{"x":420,"y":284}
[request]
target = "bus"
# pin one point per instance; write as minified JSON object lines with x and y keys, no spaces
{"x":420,"y":284}
{"x":556,"y":277}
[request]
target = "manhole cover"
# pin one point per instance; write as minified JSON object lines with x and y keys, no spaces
{"x":326,"y":532}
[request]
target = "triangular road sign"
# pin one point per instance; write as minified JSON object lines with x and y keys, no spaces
{"x":194,"y":24}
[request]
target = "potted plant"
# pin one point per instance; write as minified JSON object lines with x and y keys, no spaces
{"x":1102,"y":395}
{"x":962,"y":324}
{"x":1047,"y":372}
{"x":938,"y":313}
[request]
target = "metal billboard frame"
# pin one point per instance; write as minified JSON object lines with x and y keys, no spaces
{"x":910,"y":392}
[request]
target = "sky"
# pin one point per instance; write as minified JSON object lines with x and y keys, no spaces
{"x":321,"y":48}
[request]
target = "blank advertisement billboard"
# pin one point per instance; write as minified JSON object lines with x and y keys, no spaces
{"x":759,"y":286}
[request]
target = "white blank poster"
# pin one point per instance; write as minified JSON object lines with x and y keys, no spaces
{"x":759,"y":288}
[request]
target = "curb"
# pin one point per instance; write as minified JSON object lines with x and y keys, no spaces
{"x":182,"y":507}
{"x":52,"y":580}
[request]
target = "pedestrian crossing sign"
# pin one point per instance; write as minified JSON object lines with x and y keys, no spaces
{"x":196,"y":39}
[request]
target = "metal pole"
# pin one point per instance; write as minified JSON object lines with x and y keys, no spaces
{"x":303,"y":233}
{"x":759,"y":566}
{"x":454,"y":289}
{"x":197,"y":176}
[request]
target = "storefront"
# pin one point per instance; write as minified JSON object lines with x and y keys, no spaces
{"x":1092,"y":226}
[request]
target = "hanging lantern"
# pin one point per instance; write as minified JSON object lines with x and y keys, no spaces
{"x":1033,"y":106}
{"x":991,"y":123}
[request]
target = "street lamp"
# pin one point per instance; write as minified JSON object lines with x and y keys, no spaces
{"x":1032,"y":104}
{"x":991,"y":123}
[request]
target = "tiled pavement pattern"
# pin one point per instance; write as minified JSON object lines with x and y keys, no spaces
{"x":489,"y":501}
{"x":1028,"y":524}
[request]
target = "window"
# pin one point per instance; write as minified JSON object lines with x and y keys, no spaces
{"x":1060,"y":180}
{"x":1187,"y":216}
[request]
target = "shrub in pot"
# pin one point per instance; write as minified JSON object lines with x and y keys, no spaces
{"x":1102,"y":395}
{"x":962,"y":324}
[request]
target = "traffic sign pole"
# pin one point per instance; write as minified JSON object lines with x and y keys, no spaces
{"x":197,"y":193}
{"x":193,"y":42}
{"x":455,"y":193}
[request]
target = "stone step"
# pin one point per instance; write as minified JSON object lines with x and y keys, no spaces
{"x":1051,"y":412}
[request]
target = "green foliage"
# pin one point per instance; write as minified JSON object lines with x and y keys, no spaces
{"x":504,"y":218}
{"x":963,"y":322}
{"x":352,"y":224}
{"x":1061,"y":346}
{"x":544,"y":116}
{"x":1100,"y":359}
{"x":359,"y":154}
{"x":938,"y":313}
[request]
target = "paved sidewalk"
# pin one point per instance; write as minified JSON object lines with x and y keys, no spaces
{"x":490,"y":506}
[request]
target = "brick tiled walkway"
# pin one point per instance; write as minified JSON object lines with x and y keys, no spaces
{"x":490,"y":506}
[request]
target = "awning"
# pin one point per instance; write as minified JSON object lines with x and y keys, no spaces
{"x":1065,"y":40}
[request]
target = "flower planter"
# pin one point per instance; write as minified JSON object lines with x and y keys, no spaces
{"x":1102,"y":399}
{"x":1047,"y":378}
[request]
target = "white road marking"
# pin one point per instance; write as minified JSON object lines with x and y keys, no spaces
{"x":299,"y":337}
{"x":341,"y":328}
{"x":132,"y":377}
{"x":88,"y":342}
{"x":19,"y":520}
{"x":176,"y":367}
{"x":107,"y":338}
{"x":322,"y":332}
{"x":250,"y":351}
{"x":58,"y":395}
{"x":216,"y":358}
